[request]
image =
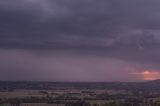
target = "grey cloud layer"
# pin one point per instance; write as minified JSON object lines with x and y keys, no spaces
{"x":122,"y":29}
{"x":48,"y":23}
{"x":19,"y":65}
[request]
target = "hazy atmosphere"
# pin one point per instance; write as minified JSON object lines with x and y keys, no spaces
{"x":79,"y":40}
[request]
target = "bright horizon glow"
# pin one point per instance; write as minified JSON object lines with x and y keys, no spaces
{"x":148,"y":75}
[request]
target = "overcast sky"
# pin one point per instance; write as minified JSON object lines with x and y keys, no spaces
{"x":79,"y":40}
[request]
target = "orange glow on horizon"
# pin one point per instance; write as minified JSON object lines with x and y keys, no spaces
{"x":148,"y":75}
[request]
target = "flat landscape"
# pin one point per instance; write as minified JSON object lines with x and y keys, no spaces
{"x":80,"y":93}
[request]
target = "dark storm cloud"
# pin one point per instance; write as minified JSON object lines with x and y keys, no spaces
{"x":54,"y":24}
{"x":117,"y":29}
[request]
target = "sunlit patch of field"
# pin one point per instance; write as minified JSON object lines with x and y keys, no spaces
{"x":34,"y":93}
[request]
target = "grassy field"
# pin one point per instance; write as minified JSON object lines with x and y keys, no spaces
{"x":21,"y":94}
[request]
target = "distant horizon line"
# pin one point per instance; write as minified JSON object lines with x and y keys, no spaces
{"x":78,"y":81}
